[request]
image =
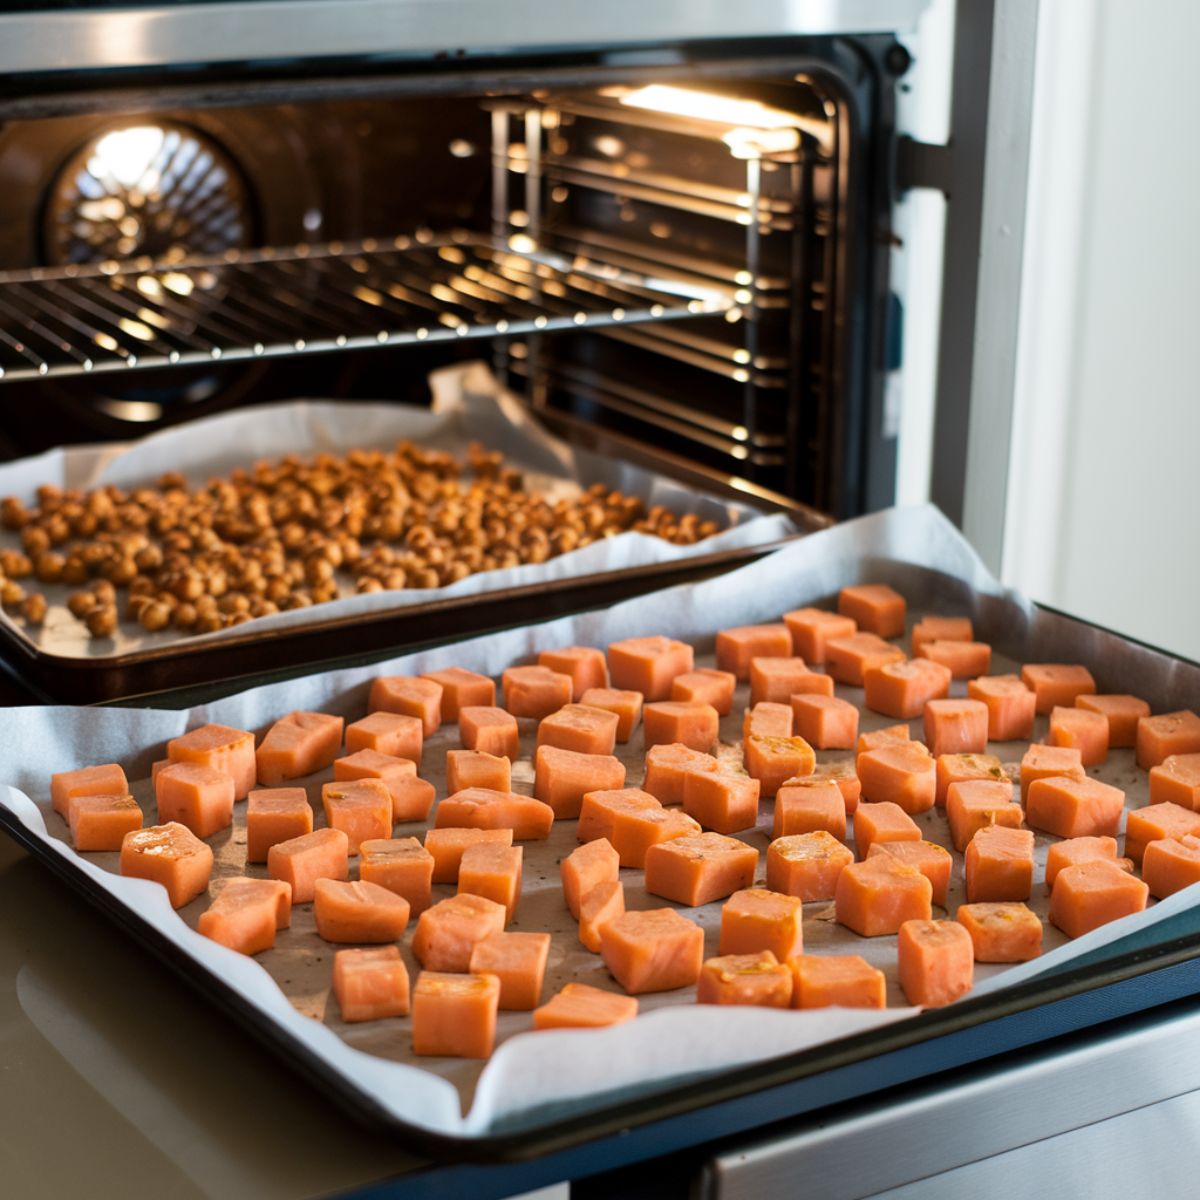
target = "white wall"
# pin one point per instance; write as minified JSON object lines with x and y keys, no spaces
{"x":1103,"y":512}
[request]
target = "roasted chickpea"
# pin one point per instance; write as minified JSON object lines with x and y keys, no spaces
{"x":101,"y":620}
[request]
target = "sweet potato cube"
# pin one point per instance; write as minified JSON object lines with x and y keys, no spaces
{"x":409,"y":696}
{"x":599,"y":905}
{"x":1154,"y":821}
{"x":477,"y":768}
{"x":461,"y":689}
{"x":196,"y":796}
{"x":394,"y":734}
{"x":447,"y":931}
{"x":1005,"y":932}
{"x":999,"y":864}
{"x":275,"y":815}
{"x":825,"y":722}
{"x":580,"y":1006}
{"x":668,"y":766}
{"x":106,"y":780}
{"x":1168,"y":733}
{"x":841,"y":773}
{"x":902,"y":689}
{"x":1091,"y":894}
{"x":482,"y":808}
{"x":361,"y":808}
{"x":777,"y":680}
{"x":412,"y":797}
{"x":627,"y":706}
{"x":900,"y":773}
{"x":370,"y":983}
{"x":492,"y":870}
{"x":774,"y":760}
{"x":1057,"y":683}
{"x":882,"y":822}
{"x":490,"y":729}
{"x":755,"y":979}
{"x":1176,"y":780}
{"x":756,"y":919}
{"x":736,"y":647}
{"x":518,"y":960}
{"x":635,"y":830}
{"x":598,"y":808}
{"x":877,"y":896}
{"x":563,"y":777}
{"x":1121,"y":711}
{"x":584,"y":664}
{"x":1047,"y":762}
{"x":807,"y":865}
{"x":581,"y":728}
{"x":965,"y":660}
{"x":101,"y":822}
{"x":447,"y":846}
{"x":723,"y":801}
{"x":648,"y":664}
{"x":812,"y":629}
{"x":653,"y":951}
{"x":297,"y":745}
{"x":358,"y":911}
{"x":806,"y":809}
{"x":699,"y":868}
{"x":959,"y":768}
{"x":454,"y":1015}
{"x":1086,"y":731}
{"x":1077,"y":850}
{"x":402,"y":865}
{"x":956,"y":727}
{"x":877,"y":738}
{"x":844,"y":980}
{"x":169,"y":854}
{"x":676,"y":722}
{"x":941,"y":629}
{"x":705,"y":686}
{"x":1011,"y":706}
{"x":975,"y":804}
{"x":222,"y":749}
{"x":875,"y":607}
{"x":767,"y":719}
{"x":932,"y":860}
{"x":936,"y":961}
{"x":301,"y":861}
{"x":1171,"y":864}
{"x":1073,"y":808}
{"x":535,"y":691}
{"x":247,"y":913}
{"x":586,"y":866}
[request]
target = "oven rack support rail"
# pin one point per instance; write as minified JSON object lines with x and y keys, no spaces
{"x":272,"y":303}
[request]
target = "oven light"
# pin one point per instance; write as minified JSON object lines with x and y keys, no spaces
{"x":703,"y":106}
{"x":126,"y":155}
{"x":757,"y":143}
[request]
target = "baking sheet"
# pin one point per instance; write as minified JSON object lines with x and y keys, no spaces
{"x":524,"y":1085}
{"x":468,"y":405}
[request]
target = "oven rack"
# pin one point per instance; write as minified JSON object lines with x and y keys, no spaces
{"x":277,"y":302}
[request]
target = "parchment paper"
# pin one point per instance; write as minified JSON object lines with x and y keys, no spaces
{"x":525,"y":1082}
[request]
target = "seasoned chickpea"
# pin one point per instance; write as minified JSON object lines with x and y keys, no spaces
{"x":154,"y":616}
{"x":366,"y":583}
{"x":101,"y":620}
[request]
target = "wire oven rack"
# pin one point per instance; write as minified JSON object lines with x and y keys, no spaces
{"x":265,"y":303}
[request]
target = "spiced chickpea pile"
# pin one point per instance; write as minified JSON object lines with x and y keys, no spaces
{"x":289,"y":533}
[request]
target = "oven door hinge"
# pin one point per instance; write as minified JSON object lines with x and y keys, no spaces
{"x":923,"y":165}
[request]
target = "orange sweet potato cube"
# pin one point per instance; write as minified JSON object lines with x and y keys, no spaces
{"x":1005,"y":932}
{"x":1171,"y":864}
{"x":774,"y":760}
{"x":767,"y":719}
{"x":974,"y":804}
{"x":1166,"y":734}
{"x":412,"y":797}
{"x":875,"y":607}
{"x":807,"y":865}
{"x":581,"y":728}
{"x":876,"y":738}
{"x":956,"y":727}
{"x":877,"y":896}
{"x":627,"y":706}
{"x":825,"y":722}
{"x":395,"y":734}
{"x":490,"y":729}
{"x":812,"y":629}
{"x":402,"y":865}
{"x":844,"y":980}
{"x":296,"y":745}
{"x":247,"y":913}
{"x":1091,"y":894}
{"x":370,"y":983}
{"x":668,"y":766}
{"x":579,"y":1006}
{"x":586,"y":866}
{"x":494,"y":871}
{"x":101,"y":822}
{"x":169,"y":854}
{"x":965,"y":660}
{"x":1176,"y":780}
{"x":599,"y":905}
{"x":222,"y":749}
{"x":275,"y":815}
{"x":301,"y":861}
{"x":1046,"y":762}
{"x":358,"y":911}
{"x":902,"y":689}
{"x":1121,"y":711}
{"x":584,"y":664}
{"x":1011,"y":706}
{"x":653,"y":951}
{"x":676,"y":722}
{"x":806,"y":809}
{"x":936,"y":961}
{"x":1073,"y":808}
{"x":461,"y":689}
{"x":882,"y":822}
{"x":1076,"y":850}
{"x":447,"y":931}
{"x":648,"y":664}
{"x":477,"y":768}
{"x":706,"y":686}
{"x":409,"y":696}
{"x":361,"y":808}
{"x":932,"y":860}
{"x":196,"y":796}
{"x":941,"y":629}
{"x":756,"y":919}
{"x":736,"y":647}
{"x":599,"y":807}
{"x":900,"y":773}
{"x":518,"y":960}
{"x":699,"y":868}
{"x":999,"y":864}
{"x":535,"y":691}
{"x":106,"y":780}
{"x":1154,"y":821}
{"x":724,"y":801}
{"x":454,"y":1015}
{"x":958,"y":768}
{"x":1057,"y":683}
{"x":777,"y":680}
{"x":447,"y":846}
{"x":563,"y":777}
{"x":1086,"y":731}
{"x":482,"y":808}
{"x":754,"y":979}
{"x":842,"y":773}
